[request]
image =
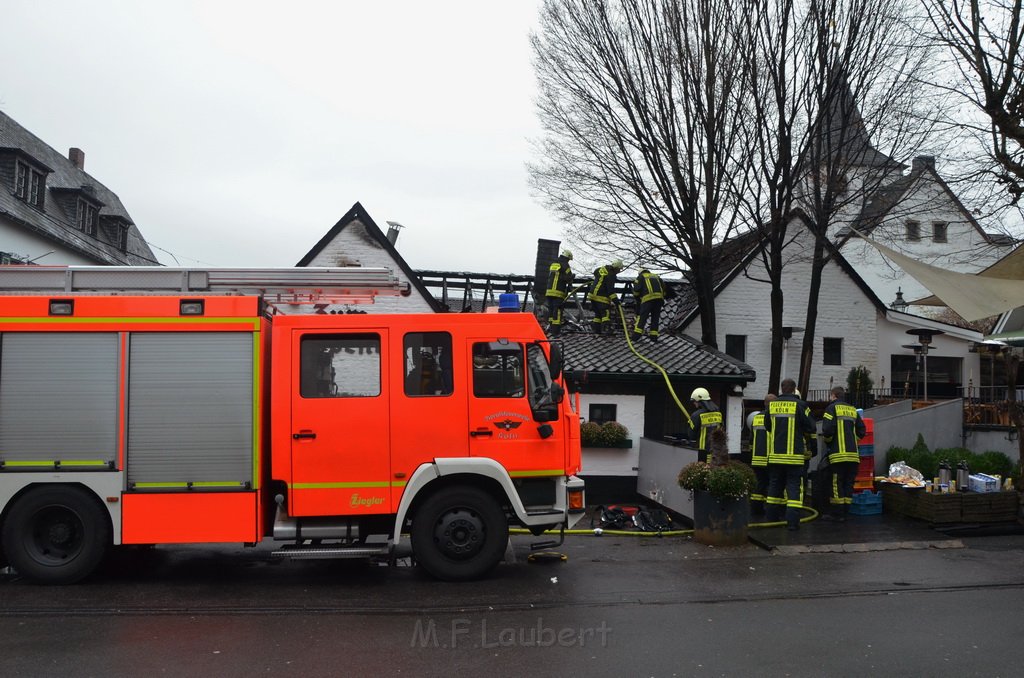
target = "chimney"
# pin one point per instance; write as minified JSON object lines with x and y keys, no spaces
{"x":547,"y":252}
{"x":393,"y":228}
{"x":77,"y":157}
{"x":923,"y":162}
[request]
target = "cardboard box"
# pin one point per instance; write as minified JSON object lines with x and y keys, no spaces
{"x":981,"y":482}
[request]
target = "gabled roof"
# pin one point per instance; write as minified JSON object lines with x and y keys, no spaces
{"x":736,"y":260}
{"x":359,"y":215}
{"x":889,"y":196}
{"x":52,"y":222}
{"x":679,"y":355}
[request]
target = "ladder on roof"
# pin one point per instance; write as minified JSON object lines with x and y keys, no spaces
{"x":289,"y":286}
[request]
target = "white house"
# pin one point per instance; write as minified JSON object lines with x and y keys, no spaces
{"x":356,"y":240}
{"x":54,"y":212}
{"x":854,"y":327}
{"x":917,"y":215}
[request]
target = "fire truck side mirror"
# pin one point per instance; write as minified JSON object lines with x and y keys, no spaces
{"x":556,"y":360}
{"x":557,"y":393}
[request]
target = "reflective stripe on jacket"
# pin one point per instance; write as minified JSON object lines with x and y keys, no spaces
{"x":788,"y":422}
{"x":703,"y":421}
{"x":603,"y":289}
{"x":841,"y":426}
{"x":648,"y":288}
{"x":759,"y":441}
{"x":559,"y":280}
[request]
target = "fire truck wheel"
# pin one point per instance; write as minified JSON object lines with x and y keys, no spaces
{"x":56,"y":535}
{"x":459,"y":534}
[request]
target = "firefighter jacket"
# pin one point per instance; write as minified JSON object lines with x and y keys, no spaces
{"x":647,"y":287}
{"x":603,"y":289}
{"x":759,"y":441}
{"x":788,"y":421}
{"x":841,"y":426}
{"x":703,"y":420}
{"x":559,"y":279}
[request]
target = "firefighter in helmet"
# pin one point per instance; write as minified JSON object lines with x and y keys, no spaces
{"x":704,"y":419}
{"x":649,"y":293}
{"x":559,"y":282}
{"x":602,"y":295}
{"x":790,"y":430}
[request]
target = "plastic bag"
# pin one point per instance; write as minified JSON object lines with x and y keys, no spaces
{"x":905,"y":475}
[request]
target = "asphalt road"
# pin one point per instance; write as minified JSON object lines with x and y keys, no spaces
{"x":620,"y":606}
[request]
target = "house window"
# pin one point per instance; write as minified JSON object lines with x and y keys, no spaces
{"x":122,"y":238}
{"x":600,"y":413}
{"x":939,"y":229}
{"x":29,"y":184}
{"x":736,"y":346}
{"x":913,"y":231}
{"x":86,"y":217}
{"x":832,"y":350}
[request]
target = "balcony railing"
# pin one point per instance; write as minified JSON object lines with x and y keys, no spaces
{"x":982,"y":405}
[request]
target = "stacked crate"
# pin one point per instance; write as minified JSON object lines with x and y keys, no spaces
{"x":865,"y":480}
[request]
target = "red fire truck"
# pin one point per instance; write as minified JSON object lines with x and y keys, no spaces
{"x":157,"y":406}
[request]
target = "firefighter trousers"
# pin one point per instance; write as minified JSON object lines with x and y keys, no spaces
{"x":760,"y":494}
{"x":649,"y":311}
{"x":555,"y":305}
{"x":785,"y":493}
{"x":843,"y":473}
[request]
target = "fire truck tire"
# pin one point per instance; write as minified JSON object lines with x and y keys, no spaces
{"x":56,"y":535}
{"x":459,"y":534}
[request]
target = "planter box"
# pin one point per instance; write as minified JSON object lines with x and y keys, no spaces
{"x":954,"y":507}
{"x":624,"y":445}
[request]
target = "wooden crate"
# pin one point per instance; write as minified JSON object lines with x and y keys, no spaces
{"x":953,"y":507}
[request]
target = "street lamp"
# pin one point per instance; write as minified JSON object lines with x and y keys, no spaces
{"x":899,"y":304}
{"x":924,"y":336}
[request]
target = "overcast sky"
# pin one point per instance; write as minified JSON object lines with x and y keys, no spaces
{"x":238,"y":133}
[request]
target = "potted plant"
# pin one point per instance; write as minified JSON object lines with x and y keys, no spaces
{"x":721,"y":495}
{"x":608,"y":434}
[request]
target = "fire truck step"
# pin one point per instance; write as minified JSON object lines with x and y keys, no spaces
{"x":311,"y":552}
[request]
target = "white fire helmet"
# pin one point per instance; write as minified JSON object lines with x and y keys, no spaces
{"x":700,"y":394}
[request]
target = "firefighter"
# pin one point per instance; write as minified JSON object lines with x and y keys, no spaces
{"x":704,"y":419}
{"x":649,"y":293}
{"x":759,"y":444}
{"x":788,"y":423}
{"x":602,"y":295}
{"x":559,"y":282}
{"x":841,"y":426}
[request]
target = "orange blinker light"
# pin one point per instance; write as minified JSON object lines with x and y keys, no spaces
{"x":575,"y":500}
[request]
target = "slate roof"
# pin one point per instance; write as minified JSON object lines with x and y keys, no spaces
{"x":679,"y":355}
{"x":52,"y":222}
{"x":890,"y":195}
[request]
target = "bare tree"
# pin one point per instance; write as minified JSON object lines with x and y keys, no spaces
{"x":868,"y":59}
{"x":984,"y":38}
{"x":640,"y":105}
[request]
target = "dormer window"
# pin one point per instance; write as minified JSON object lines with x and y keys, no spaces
{"x":86,"y":217}
{"x":29,"y":183}
{"x":913,"y":231}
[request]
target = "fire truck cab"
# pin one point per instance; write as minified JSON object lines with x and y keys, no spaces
{"x":158,"y":406}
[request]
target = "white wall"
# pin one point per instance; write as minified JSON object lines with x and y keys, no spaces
{"x":353,"y":246}
{"x":955,"y":343}
{"x":19,"y":241}
{"x":744,"y":308}
{"x":966,"y":250}
{"x":615,"y":462}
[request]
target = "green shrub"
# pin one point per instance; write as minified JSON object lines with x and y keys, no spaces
{"x":613,"y":433}
{"x":993,"y":463}
{"x":927,"y":462}
{"x":590,"y":434}
{"x":734,"y":480}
